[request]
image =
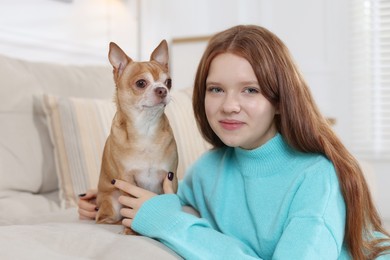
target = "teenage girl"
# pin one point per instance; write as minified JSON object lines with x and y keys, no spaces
{"x":278,"y":183}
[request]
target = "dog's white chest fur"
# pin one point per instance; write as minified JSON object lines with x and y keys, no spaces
{"x":148,"y":174}
{"x":150,"y":179}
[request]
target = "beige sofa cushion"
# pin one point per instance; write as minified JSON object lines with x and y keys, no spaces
{"x":26,"y":152}
{"x":78,"y":128}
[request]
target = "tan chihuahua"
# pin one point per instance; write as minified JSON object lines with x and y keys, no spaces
{"x":141,"y":148}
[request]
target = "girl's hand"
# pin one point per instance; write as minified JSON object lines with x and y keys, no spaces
{"x":87,"y":205}
{"x":131,"y":204}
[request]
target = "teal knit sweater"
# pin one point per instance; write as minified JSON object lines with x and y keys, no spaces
{"x":272,"y":202}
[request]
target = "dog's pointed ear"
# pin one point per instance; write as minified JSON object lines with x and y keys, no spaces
{"x":160,"y":54}
{"x":118,"y":59}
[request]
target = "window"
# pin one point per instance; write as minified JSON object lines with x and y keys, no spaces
{"x":370,"y":78}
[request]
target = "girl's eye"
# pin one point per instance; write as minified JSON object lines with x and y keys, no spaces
{"x":141,"y":83}
{"x":215,"y":89}
{"x":168,"y":83}
{"x":251,"y":90}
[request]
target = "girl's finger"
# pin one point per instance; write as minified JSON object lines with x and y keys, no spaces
{"x":127,"y":201}
{"x":127,"y":222}
{"x":168,"y":184}
{"x":86,"y":205}
{"x":127,"y":213}
{"x":128,"y":188}
{"x":90,"y":194}
{"x":84,"y":214}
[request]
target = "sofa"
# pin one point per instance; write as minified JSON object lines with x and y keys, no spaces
{"x":54,"y":121}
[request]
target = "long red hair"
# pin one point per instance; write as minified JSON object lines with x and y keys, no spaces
{"x":299,"y":122}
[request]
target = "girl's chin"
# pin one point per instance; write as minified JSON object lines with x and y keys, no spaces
{"x":238,"y":143}
{"x":231,"y":143}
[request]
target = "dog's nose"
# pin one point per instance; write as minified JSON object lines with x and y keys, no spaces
{"x":161,"y":92}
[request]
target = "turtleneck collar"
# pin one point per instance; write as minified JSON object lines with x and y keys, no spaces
{"x":270,"y":158}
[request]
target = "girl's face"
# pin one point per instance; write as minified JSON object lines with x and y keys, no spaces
{"x":236,"y":109}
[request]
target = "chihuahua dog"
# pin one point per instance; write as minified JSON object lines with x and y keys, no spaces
{"x":140,"y":148}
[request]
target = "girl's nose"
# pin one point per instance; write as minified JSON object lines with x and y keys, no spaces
{"x":231,"y":104}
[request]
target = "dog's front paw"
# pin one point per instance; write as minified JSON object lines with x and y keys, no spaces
{"x":104,"y":217}
{"x":108,"y":213}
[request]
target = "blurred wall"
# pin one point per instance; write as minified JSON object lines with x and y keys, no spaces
{"x":66,"y":31}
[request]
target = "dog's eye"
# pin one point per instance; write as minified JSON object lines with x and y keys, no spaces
{"x":168,"y":83}
{"x":140,"y":83}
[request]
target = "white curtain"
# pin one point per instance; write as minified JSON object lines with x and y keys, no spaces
{"x":370,"y":78}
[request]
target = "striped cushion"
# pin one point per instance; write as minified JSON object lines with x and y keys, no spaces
{"x":79,"y":128}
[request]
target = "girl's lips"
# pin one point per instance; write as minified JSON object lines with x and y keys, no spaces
{"x":231,"y":124}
